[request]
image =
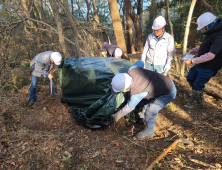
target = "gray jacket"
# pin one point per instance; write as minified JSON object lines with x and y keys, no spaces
{"x":158,"y":52}
{"x":41,"y":63}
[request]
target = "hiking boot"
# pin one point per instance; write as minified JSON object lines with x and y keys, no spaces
{"x":196,"y":100}
{"x":31,"y":102}
{"x":147,"y":132}
{"x":55,"y":94}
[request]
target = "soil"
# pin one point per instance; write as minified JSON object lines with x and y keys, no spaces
{"x":47,"y":137}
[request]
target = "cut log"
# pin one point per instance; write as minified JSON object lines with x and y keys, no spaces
{"x":212,"y":93}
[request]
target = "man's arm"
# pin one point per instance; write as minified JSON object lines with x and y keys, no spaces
{"x":194,"y":50}
{"x":145,"y":49}
{"x":130,"y":106}
{"x":170,"y":54}
{"x":215,"y":48}
{"x":138,"y":64}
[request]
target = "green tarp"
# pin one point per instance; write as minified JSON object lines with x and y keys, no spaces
{"x":86,"y":86}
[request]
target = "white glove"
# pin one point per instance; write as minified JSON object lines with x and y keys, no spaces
{"x":124,"y":111}
{"x":166,"y":68}
{"x":116,"y":116}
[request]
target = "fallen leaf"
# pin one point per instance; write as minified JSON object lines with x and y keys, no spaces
{"x":23,"y":152}
{"x":67,"y":153}
{"x":19,"y":144}
{"x":119,"y":161}
{"x":103,"y":150}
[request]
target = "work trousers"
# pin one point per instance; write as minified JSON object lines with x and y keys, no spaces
{"x":156,"y":68}
{"x":198,"y":77}
{"x":32,"y":90}
{"x":152,"y":107}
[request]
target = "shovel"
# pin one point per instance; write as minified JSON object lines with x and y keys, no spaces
{"x":50,"y":86}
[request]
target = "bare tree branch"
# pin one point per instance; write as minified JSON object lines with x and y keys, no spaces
{"x":55,"y":31}
{"x":208,"y":6}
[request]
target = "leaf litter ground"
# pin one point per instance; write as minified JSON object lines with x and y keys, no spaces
{"x":46,"y":136}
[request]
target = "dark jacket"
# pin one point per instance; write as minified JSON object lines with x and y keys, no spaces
{"x":212,"y":43}
{"x":149,"y":81}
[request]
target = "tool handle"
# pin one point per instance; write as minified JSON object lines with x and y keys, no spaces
{"x":163,"y":154}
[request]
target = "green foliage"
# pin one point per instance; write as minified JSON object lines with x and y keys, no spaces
{"x":15,"y":64}
{"x":149,"y":155}
{"x":33,"y":165}
{"x":8,"y":87}
{"x":61,"y":166}
{"x":158,"y":164}
{"x":21,"y":81}
{"x":118,"y":132}
{"x":84,"y":168}
{"x":69,"y":163}
{"x":169,"y":106}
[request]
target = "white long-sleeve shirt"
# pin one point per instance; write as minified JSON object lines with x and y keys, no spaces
{"x":159,"y":51}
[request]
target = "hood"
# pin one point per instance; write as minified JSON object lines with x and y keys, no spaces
{"x":216,"y":28}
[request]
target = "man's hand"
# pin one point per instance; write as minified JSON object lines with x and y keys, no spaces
{"x":191,"y":52}
{"x":50,"y":76}
{"x":103,"y":54}
{"x":116,"y":116}
{"x":166,"y":68}
{"x":188,"y":61}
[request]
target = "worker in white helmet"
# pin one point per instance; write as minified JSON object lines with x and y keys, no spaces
{"x":159,"y":48}
{"x":156,"y":89}
{"x":41,"y":66}
{"x":209,"y":59}
{"x":111,"y":50}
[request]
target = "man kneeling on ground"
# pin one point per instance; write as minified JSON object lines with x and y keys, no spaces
{"x":158,"y":90}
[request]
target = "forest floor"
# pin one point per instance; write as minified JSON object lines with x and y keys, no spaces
{"x":47,"y":137}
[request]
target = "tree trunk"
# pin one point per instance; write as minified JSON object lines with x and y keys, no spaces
{"x":96,"y":19}
{"x":117,"y":26}
{"x":88,"y":8}
{"x":47,"y":37}
{"x":180,"y":11}
{"x":193,"y":26}
{"x":59,"y":27}
{"x":210,"y":8}
{"x":136,"y":21}
{"x":168,"y":15}
{"x":72,"y":7}
{"x":130,"y":46}
{"x":25,"y":11}
{"x":73,"y":25}
{"x":186,"y":34}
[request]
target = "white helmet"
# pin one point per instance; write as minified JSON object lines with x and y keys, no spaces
{"x":118,"y":53}
{"x":121,"y":82}
{"x":158,"y":23}
{"x":205,"y":19}
{"x":56,"y":57}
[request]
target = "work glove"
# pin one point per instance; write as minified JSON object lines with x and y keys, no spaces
{"x":116,"y":116}
{"x":166,"y":68}
{"x":50,"y":76}
{"x":103,"y":54}
{"x":124,"y":111}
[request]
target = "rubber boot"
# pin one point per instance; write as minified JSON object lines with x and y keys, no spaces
{"x":196,"y":100}
{"x":141,"y":114}
{"x":148,"y":131}
{"x":31,"y":102}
